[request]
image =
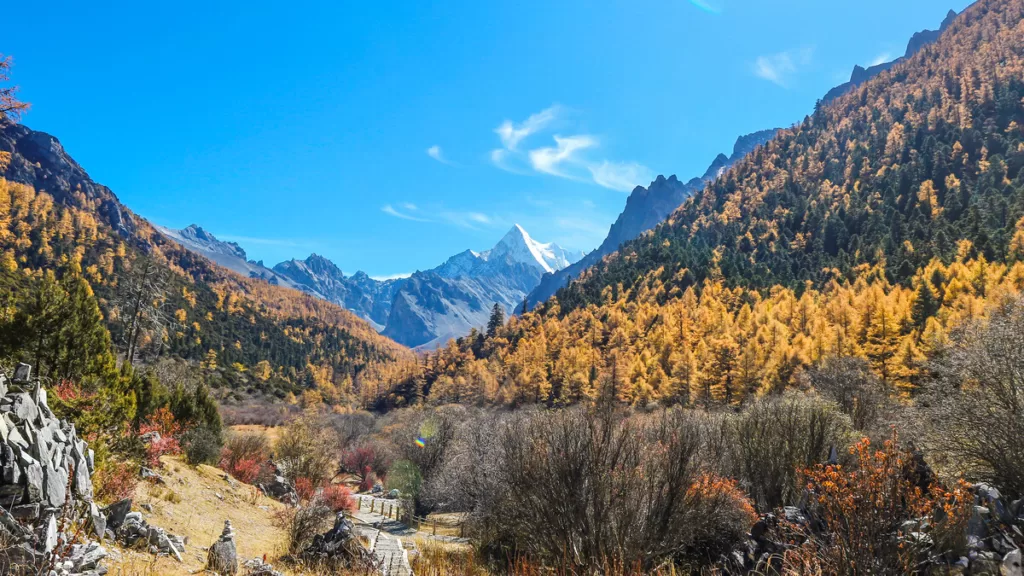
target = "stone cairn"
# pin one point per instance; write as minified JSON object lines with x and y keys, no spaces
{"x":45,"y":485}
{"x":223,"y":557}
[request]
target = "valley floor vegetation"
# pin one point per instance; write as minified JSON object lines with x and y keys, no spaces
{"x":836,"y":475}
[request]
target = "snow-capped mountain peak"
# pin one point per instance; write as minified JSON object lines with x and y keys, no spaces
{"x":517,"y":246}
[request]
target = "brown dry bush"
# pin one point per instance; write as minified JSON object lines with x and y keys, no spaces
{"x":768,"y":444}
{"x":579,"y":488}
{"x":976,"y":415}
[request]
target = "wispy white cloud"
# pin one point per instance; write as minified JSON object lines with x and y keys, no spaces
{"x":567,"y":158}
{"x":512,"y":134}
{"x":622,"y":176}
{"x":470,"y":220}
{"x":708,"y":6}
{"x":461,"y":218}
{"x":882,"y":59}
{"x":436,"y":153}
{"x":549,"y":160}
{"x":781,"y":67}
{"x":390,"y":210}
{"x":392,"y":276}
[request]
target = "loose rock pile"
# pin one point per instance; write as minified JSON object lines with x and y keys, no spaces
{"x":338,"y":547}
{"x":45,"y":481}
{"x":257,"y":567}
{"x":135,"y":532}
{"x":279,"y":488}
{"x":994,"y":534}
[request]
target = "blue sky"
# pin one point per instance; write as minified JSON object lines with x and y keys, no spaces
{"x":391,"y":135}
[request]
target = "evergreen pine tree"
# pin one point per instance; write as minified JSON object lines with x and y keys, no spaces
{"x":497,"y":320}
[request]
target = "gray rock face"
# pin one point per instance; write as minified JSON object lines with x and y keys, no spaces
{"x":38,"y":454}
{"x":223,"y":558}
{"x":39,"y":160}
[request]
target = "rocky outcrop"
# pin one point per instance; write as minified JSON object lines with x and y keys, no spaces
{"x":861,"y":75}
{"x":39,"y":160}
{"x":338,"y":547}
{"x":279,"y":488}
{"x":45,"y":484}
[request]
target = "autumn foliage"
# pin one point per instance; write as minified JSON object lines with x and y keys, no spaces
{"x":882,"y":513}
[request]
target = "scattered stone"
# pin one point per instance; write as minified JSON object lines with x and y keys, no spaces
{"x":147,"y":474}
{"x":257,"y":567}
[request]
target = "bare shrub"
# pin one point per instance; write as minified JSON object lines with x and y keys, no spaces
{"x":773,"y":439}
{"x":585,"y":487}
{"x":301,"y":524}
{"x":976,"y":413}
{"x":850,"y":383}
{"x":303,"y":450}
{"x":351,"y":429}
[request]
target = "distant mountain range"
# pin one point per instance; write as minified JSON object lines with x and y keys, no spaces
{"x":447,"y":301}
{"x":423,"y":310}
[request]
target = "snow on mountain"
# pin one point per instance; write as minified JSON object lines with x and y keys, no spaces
{"x":457,"y":296}
{"x":423,"y":310}
{"x":518,"y":246}
{"x":226,"y":254}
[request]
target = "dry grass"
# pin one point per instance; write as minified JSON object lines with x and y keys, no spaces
{"x":188,"y":505}
{"x":271,"y":432}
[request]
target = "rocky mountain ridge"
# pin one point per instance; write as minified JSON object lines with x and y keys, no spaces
{"x":433,"y":305}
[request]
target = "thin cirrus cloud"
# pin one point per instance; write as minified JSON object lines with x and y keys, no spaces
{"x":708,"y":6}
{"x":436,"y":153}
{"x":882,"y":58}
{"x":782,"y":67}
{"x":550,"y":160}
{"x":512,"y":134}
{"x":566,"y":158}
{"x":391,"y":211}
{"x":463,"y":219}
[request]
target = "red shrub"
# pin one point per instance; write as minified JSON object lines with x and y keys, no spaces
{"x":161,"y":423}
{"x":359,"y":461}
{"x":245,"y":470}
{"x":368,"y":481}
{"x":304,"y":488}
{"x":245,"y":457}
{"x":338,"y":498}
{"x":115,"y":481}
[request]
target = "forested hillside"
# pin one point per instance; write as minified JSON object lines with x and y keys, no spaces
{"x":873,"y":228}
{"x":157,"y":299}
